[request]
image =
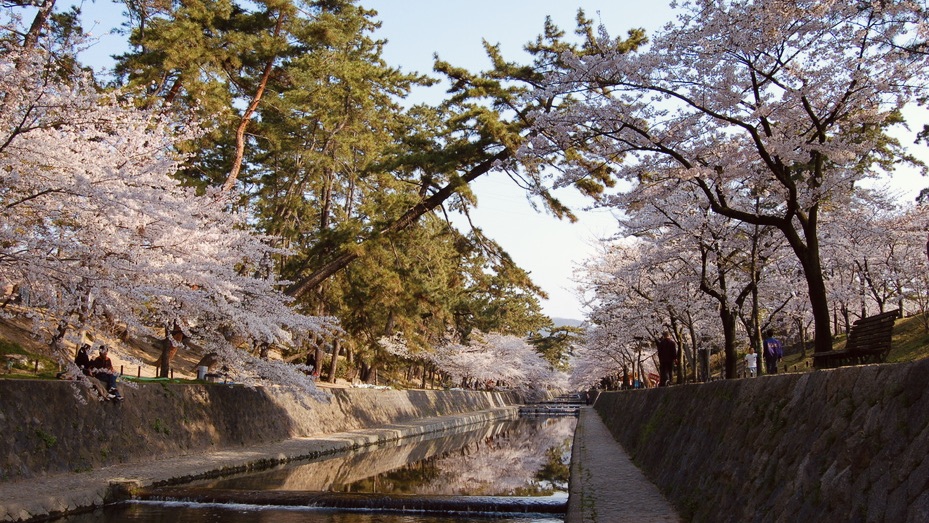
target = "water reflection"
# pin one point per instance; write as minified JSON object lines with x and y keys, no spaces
{"x":521,"y":457}
{"x":189,"y":513}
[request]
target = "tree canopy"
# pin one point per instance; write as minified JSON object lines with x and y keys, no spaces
{"x":773,"y":111}
{"x":254,"y":177}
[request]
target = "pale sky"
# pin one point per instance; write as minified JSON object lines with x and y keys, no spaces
{"x":416,"y":29}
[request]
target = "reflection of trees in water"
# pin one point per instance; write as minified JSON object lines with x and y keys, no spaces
{"x":528,"y":459}
{"x":557,"y":469}
{"x":337,"y":473}
{"x":519,"y":457}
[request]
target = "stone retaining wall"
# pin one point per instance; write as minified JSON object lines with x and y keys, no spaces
{"x":54,"y":426}
{"x":849,"y":444}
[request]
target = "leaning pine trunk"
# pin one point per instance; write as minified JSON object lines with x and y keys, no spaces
{"x":334,"y":363}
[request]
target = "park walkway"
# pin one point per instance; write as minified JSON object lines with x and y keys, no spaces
{"x":606,"y":487}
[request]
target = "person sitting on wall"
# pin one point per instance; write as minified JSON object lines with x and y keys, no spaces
{"x":102,"y":368}
{"x":82,"y":359}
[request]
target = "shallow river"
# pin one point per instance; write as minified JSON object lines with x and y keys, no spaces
{"x":516,"y":469}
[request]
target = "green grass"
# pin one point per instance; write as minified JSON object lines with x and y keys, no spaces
{"x":47,"y":439}
{"x":910,"y":342}
{"x":48,"y":367}
{"x":9,"y":347}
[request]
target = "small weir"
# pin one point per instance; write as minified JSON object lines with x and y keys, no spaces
{"x":435,"y":504}
{"x":567,"y":405}
{"x":513,"y":471}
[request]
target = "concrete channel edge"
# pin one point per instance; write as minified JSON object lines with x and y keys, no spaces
{"x":40,"y":499}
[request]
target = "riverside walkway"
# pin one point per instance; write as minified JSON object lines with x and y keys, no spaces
{"x":606,"y":487}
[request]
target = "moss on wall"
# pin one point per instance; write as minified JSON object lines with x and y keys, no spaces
{"x":849,"y":444}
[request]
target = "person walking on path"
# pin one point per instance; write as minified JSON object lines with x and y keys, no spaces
{"x":773,"y":352}
{"x":751,"y":363}
{"x":667,"y":358}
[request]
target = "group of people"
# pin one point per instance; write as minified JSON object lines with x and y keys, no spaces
{"x":99,"y":367}
{"x":772,"y":350}
{"x":668,"y":356}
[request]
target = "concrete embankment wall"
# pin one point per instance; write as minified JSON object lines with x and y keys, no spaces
{"x":847,"y":445}
{"x":50,"y":427}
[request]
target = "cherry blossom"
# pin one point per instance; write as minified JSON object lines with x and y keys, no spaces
{"x":101,"y":235}
{"x":773,"y":103}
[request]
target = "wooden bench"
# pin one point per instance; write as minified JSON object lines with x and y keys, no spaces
{"x":868,"y":342}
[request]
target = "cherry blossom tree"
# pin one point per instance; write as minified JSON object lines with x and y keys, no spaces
{"x":723,"y":257}
{"x":103,"y":236}
{"x":638,"y":289}
{"x":488,"y":358}
{"x":909,"y":233}
{"x":781,"y":104}
{"x":883,"y":243}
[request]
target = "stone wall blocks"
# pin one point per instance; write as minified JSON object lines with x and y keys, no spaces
{"x":897,"y":505}
{"x":162,"y":420}
{"x":846,"y":444}
{"x":918,"y":509}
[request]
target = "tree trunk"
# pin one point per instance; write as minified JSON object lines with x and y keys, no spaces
{"x":38,"y":24}
{"x":693,"y":346}
{"x":801,"y":332}
{"x":808,"y":255}
{"x":249,"y":111}
{"x":334,"y":362}
{"x":819,"y":303}
{"x":728,"y":319}
{"x":318,"y":358}
{"x":345,"y":256}
{"x":754,"y":334}
{"x":172,"y":342}
{"x":168,"y":351}
{"x":364,"y":372}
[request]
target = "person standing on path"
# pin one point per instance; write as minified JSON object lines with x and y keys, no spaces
{"x":751,"y":363}
{"x":773,"y":352}
{"x":667,"y":358}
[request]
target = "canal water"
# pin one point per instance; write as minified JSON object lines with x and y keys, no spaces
{"x":510,"y":471}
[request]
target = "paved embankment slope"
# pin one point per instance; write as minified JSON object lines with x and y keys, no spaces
{"x":54,"y":431}
{"x":73,"y":492}
{"x":849,"y":444}
{"x":54,"y":426}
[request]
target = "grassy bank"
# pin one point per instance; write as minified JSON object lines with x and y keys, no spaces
{"x":910,"y":342}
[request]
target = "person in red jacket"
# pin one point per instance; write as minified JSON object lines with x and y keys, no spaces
{"x":102,"y":368}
